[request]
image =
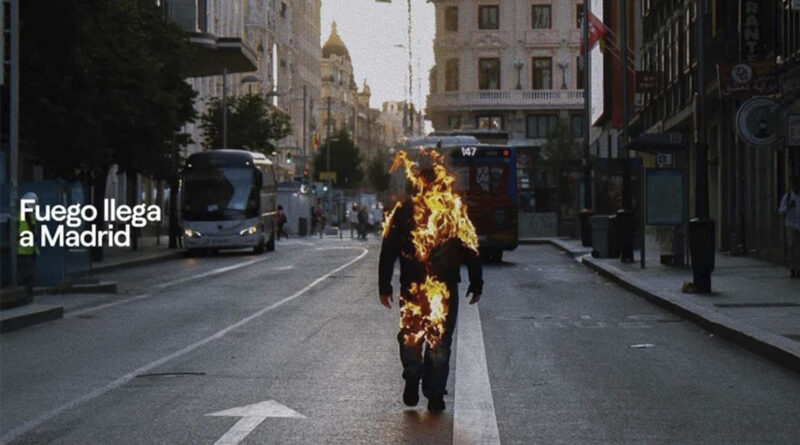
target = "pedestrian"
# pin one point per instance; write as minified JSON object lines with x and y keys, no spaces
{"x":362,"y":222}
{"x":790,"y":209}
{"x":320,"y":217}
{"x":26,"y":255}
{"x":352,"y":219}
{"x":282,"y":219}
{"x":423,"y":359}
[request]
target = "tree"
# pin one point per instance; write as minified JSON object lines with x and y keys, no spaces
{"x":345,"y":160}
{"x":253,"y":124}
{"x":378,"y":172}
{"x":108,"y":90}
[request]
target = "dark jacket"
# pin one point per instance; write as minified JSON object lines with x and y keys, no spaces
{"x":445,"y":261}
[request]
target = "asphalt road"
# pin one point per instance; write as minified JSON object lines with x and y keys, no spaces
{"x":552,"y":354}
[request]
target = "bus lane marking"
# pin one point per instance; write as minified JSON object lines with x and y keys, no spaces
{"x":474,"y":418}
{"x":78,"y":401}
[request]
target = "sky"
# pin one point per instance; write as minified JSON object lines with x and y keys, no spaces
{"x":370,"y":30}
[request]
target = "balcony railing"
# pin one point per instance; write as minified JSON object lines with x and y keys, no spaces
{"x":506,"y":99}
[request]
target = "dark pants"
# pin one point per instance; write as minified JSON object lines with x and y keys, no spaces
{"x":26,"y":267}
{"x":431,"y":365}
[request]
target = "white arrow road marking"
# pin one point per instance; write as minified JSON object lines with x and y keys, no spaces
{"x":474,"y":419}
{"x":8,"y":436}
{"x":251,"y":418}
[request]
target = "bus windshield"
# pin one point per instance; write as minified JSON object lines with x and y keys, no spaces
{"x":218,"y":193}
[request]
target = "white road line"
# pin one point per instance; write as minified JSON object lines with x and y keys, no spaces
{"x":211,"y":273}
{"x":74,"y":403}
{"x":474,"y":419}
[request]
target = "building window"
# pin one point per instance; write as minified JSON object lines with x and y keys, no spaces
{"x":542,"y":73}
{"x":540,"y":17}
{"x":576,"y":125}
{"x":579,"y":16}
{"x":489,"y":74}
{"x":489,"y":17}
{"x":454,"y":122}
{"x":283,"y":10}
{"x":490,"y":122}
{"x":451,"y":75}
{"x":540,"y":126}
{"x":451,"y":19}
{"x":580,"y":73}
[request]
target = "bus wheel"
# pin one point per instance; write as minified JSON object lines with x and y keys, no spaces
{"x":271,"y":242}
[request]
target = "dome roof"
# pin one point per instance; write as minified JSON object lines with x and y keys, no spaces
{"x":366,"y":90}
{"x":335,"y":45}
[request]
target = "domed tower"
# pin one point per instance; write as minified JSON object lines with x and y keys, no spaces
{"x":335,"y":45}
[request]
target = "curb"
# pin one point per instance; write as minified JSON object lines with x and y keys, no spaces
{"x":25,"y":319}
{"x":176,"y":253}
{"x":771,"y":346}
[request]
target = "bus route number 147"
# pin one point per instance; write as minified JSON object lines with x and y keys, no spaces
{"x":468,"y":151}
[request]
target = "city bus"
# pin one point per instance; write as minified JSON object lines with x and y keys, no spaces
{"x":486,"y":179}
{"x":228,"y":201}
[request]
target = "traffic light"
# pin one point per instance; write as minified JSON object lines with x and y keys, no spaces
{"x":325,"y":188}
{"x":313,"y":189}
{"x":288,"y":157}
{"x":305,"y":172}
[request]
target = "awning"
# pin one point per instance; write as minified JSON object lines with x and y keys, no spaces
{"x":214,"y":54}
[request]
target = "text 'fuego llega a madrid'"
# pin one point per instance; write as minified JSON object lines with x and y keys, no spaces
{"x":439,"y":217}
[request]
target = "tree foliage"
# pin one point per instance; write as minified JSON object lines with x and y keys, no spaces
{"x":253,"y":124}
{"x":561,"y":146}
{"x":345,"y":160}
{"x":378,"y":172}
{"x":102,"y":83}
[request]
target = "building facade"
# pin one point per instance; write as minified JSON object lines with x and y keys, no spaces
{"x":511,"y":68}
{"x":746,"y":181}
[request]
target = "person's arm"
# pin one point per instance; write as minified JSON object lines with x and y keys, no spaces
{"x":390,"y":252}
{"x":475,"y":272}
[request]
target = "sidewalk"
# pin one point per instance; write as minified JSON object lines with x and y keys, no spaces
{"x":51,"y":303}
{"x":754,"y":303}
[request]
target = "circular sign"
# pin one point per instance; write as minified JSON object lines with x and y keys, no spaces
{"x":753,"y":122}
{"x":742,"y":73}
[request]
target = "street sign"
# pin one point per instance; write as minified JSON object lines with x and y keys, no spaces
{"x":646,"y":82}
{"x":753,"y":123}
{"x":251,"y":417}
{"x":665,"y":205}
{"x":747,"y":79}
{"x":328,"y":176}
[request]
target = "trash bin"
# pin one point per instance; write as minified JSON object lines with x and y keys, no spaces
{"x":604,"y":237}
{"x":586,"y":228}
{"x":302,"y":226}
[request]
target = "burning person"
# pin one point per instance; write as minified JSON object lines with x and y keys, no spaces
{"x":432,"y":236}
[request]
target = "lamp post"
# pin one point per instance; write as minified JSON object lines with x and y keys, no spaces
{"x":518,"y":65}
{"x":625,"y":220}
{"x":701,"y":227}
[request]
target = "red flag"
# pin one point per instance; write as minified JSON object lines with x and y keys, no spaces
{"x":597,"y":29}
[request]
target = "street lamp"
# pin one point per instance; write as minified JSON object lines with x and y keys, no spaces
{"x":518,"y":65}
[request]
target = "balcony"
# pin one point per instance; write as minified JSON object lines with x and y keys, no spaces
{"x":506,"y":100}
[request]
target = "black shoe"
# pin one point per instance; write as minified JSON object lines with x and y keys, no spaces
{"x":411,"y":392}
{"x":436,"y":404}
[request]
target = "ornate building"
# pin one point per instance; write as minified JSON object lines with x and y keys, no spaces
{"x":508,"y":72}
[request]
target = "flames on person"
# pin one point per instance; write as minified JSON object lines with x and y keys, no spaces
{"x":439,"y":216}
